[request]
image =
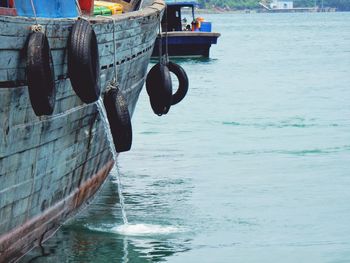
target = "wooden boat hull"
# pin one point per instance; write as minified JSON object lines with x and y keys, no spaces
{"x":52,"y":166}
{"x":186,"y":43}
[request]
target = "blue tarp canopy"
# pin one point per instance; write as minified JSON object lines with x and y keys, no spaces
{"x":47,"y":8}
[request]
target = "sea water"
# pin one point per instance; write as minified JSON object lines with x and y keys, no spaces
{"x":253,"y":165}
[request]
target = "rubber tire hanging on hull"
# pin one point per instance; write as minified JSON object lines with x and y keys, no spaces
{"x":181,"y":75}
{"x":83,"y":61}
{"x":119,"y":119}
{"x":159,"y":88}
{"x":40,"y":74}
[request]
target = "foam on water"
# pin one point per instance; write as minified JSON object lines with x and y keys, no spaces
{"x":145,"y":229}
{"x":137,"y":229}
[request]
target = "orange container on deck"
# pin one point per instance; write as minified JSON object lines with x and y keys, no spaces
{"x":86,"y":6}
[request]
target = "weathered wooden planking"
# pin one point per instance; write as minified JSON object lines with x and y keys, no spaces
{"x":41,"y":132}
{"x":16,"y":108}
{"x":13,"y":41}
{"x":43,"y":226}
{"x":47,"y":182}
{"x":20,"y":98}
{"x":14,"y":59}
{"x":14,"y":38}
{"x":130,"y":52}
{"x":127,"y":44}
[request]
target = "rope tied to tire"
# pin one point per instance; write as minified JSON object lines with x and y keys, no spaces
{"x":117,"y":108}
{"x":159,"y":85}
{"x":158,"y":81}
{"x":119,"y":118}
{"x":34,"y":12}
{"x":114,"y":81}
{"x":37,"y":28}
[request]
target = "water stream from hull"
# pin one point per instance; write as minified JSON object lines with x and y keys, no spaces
{"x":127,"y":229}
{"x":115,"y":171}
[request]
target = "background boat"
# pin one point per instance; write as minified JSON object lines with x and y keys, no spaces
{"x":183,"y":34}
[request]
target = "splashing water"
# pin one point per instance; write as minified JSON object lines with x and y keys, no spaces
{"x":145,"y":230}
{"x":127,"y":229}
{"x":138,"y":229}
{"x":115,"y":171}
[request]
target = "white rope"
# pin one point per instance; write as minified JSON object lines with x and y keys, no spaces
{"x":160,"y":40}
{"x":114,"y":51}
{"x":114,"y":54}
{"x":140,"y":6}
{"x":34,"y":12}
{"x":79,"y":9}
{"x":166,"y":36}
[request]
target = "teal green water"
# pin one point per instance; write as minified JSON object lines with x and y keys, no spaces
{"x":253,"y":166}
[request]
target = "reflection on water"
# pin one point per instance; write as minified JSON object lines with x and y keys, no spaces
{"x":99,"y":235}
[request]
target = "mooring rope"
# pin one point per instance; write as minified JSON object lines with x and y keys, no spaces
{"x":79,"y":9}
{"x":163,"y":59}
{"x":140,"y":6}
{"x":166,"y":36}
{"x":114,"y":80}
{"x":160,"y":42}
{"x":114,"y":55}
{"x":37,"y":28}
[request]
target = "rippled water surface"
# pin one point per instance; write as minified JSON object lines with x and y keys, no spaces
{"x":253,"y":166}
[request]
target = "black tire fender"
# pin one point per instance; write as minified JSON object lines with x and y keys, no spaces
{"x":83,"y":61}
{"x":181,"y":75}
{"x":159,"y":88}
{"x":119,"y":119}
{"x":40,"y":74}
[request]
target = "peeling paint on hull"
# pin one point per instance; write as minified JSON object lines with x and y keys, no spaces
{"x":42,"y":227}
